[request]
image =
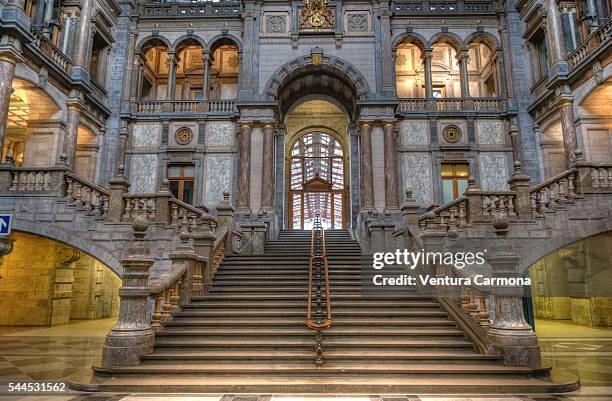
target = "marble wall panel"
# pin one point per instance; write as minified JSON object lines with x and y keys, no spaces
{"x":145,"y":136}
{"x":220,"y":134}
{"x":417,"y":176}
{"x":494,"y":171}
{"x":143,"y":174}
{"x":490,"y":132}
{"x":414,"y":132}
{"x":217,"y":178}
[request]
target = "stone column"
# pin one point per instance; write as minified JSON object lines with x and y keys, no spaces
{"x":391,"y":186}
{"x":7,"y":72}
{"x":386,"y":52}
{"x":246,"y":70}
{"x":131,"y":67}
{"x":132,"y":336}
{"x":123,"y":138}
{"x":367,"y":179}
{"x":515,"y":141}
{"x":267,"y":170}
{"x":570,"y":138}
{"x":206,"y":82}
{"x":243,"y":192}
{"x":463,"y":68}
{"x":171,"y":76}
{"x":82,"y":48}
{"x":592,"y":15}
{"x":72,"y":131}
{"x":47,"y":18}
{"x":510,"y":333}
{"x":555,"y":34}
{"x":428,"y":77}
{"x":501,"y":76}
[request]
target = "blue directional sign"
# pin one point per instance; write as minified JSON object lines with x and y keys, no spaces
{"x":5,"y":224}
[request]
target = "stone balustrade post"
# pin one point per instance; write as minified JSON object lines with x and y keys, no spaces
{"x":132,"y":336}
{"x":584,"y":179}
{"x":254,"y":237}
{"x":162,"y":203}
{"x":410,"y":210}
{"x":118,"y":187}
{"x":474,"y":197}
{"x":184,"y":253}
{"x":519,"y":183}
{"x":510,"y":333}
{"x":203,"y":242}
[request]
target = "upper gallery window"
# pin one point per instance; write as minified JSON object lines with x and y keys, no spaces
{"x":454,"y":180}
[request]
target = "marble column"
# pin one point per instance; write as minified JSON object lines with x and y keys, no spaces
{"x":246,"y":65}
{"x":391,"y":186}
{"x":132,"y":65}
{"x":367,"y":178}
{"x":592,"y":15}
{"x":71,"y":133}
{"x":385,"y":46}
{"x":48,"y":16}
{"x":7,"y":72}
{"x":136,"y":78}
{"x":570,"y":138}
{"x":243,"y":192}
{"x":515,"y":141}
{"x":171,"y":76}
{"x":554,"y":33}
{"x":81,"y":53}
{"x":206,"y":78}
{"x":463,"y":68}
{"x":428,"y":79}
{"x":267,"y":169}
{"x":501,"y":75}
{"x":123,"y":138}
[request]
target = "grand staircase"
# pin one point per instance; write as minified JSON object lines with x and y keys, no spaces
{"x":249,"y":334}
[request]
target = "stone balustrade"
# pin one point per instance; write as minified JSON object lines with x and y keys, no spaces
{"x":55,"y":55}
{"x":494,"y":202}
{"x":592,"y":44}
{"x":94,"y":199}
{"x":445,"y":216}
{"x":556,"y":190}
{"x":136,"y":205}
{"x":408,"y":105}
{"x":601,"y":175}
{"x":146,"y":107}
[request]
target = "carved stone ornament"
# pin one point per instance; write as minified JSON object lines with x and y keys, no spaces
{"x":276,"y":24}
{"x":183,"y":136}
{"x":358,"y":23}
{"x":316,"y":16}
{"x":451,"y":134}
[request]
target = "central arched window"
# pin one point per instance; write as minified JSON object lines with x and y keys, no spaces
{"x":317,"y":182}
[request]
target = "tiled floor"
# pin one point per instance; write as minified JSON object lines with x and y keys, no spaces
{"x":56,"y":352}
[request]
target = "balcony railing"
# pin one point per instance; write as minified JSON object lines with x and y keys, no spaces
{"x":411,"y":7}
{"x":452,"y":104}
{"x":46,"y":46}
{"x":223,"y":8}
{"x":183,"y":106}
{"x":595,"y":41}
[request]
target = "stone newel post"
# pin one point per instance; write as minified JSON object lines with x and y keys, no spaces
{"x":132,"y":336}
{"x":510,"y":333}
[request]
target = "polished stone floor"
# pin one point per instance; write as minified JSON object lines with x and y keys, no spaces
{"x":53,"y":353}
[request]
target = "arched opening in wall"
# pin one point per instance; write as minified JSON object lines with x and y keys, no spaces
{"x":33,"y":126}
{"x":551,"y":144}
{"x":595,"y":123}
{"x":153,"y":82}
{"x":56,"y":284}
{"x":189,"y":71}
{"x":224,"y":70}
{"x":410,"y":71}
{"x":482,"y":70}
{"x":572,"y":304}
{"x":445,"y":73}
{"x":317,"y":164}
{"x":87,"y":154}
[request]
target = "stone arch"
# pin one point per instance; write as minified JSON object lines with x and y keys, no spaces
{"x":413,"y":38}
{"x":292,"y":79}
{"x":55,"y":96}
{"x":84,"y":245}
{"x":187,"y":40}
{"x":559,"y":241}
{"x":485,"y":38}
{"x":152,"y":39}
{"x":223,"y":39}
{"x":447,"y":37}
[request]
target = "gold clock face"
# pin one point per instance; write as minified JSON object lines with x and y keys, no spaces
{"x":451,"y":134}
{"x":183,"y":136}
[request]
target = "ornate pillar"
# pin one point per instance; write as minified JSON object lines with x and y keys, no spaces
{"x":171,"y":76}
{"x":243,"y":192}
{"x":570,"y":138}
{"x":385,"y":46}
{"x":428,"y":79}
{"x":132,"y":336}
{"x":267,"y":169}
{"x":123,"y":138}
{"x":510,"y":333}
{"x":71,"y":133}
{"x":82,"y":49}
{"x":501,"y":76}
{"x":132,"y":66}
{"x":391,"y":186}
{"x":463,"y":68}
{"x":554,"y":33}
{"x":206,"y":82}
{"x":592,"y":15}
{"x":515,"y":141}
{"x":7,"y":72}
{"x":367,"y":180}
{"x":47,"y":18}
{"x":246,"y":65}
{"x":136,"y":78}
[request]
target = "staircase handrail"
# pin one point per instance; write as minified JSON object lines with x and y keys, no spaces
{"x":318,"y":260}
{"x":84,"y":182}
{"x":552,"y":180}
{"x":183,"y":206}
{"x":167,"y":291}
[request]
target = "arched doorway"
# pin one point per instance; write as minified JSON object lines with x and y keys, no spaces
{"x":317,"y":182}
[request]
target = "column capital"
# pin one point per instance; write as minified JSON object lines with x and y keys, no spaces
{"x":10,"y":58}
{"x":245,"y":124}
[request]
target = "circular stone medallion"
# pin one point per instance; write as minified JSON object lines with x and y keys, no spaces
{"x":183,"y":136}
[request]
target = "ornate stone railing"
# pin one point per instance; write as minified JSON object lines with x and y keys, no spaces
{"x":142,"y":204}
{"x":442,"y":217}
{"x":451,"y":104}
{"x":166,"y":292}
{"x":558,"y":189}
{"x":494,"y":202}
{"x":223,"y":8}
{"x":183,"y":106}
{"x":46,"y":46}
{"x":93,"y":198}
{"x":32,"y":179}
{"x":412,"y":7}
{"x":592,"y":43}
{"x":601,"y":175}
